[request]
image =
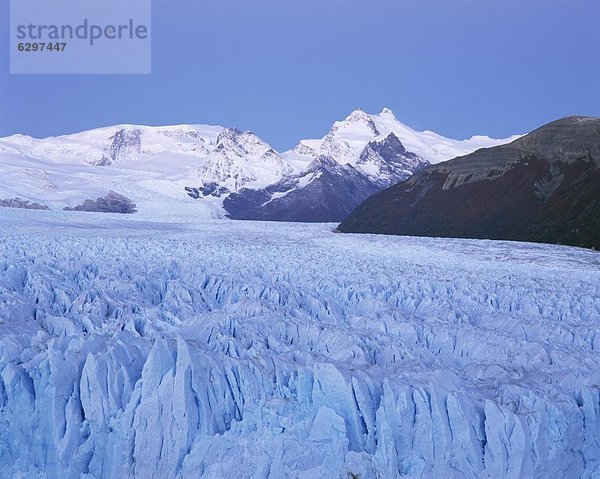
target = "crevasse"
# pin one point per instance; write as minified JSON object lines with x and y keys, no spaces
{"x":243,"y":350}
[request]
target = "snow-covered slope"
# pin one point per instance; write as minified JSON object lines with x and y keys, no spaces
{"x":241,"y":159}
{"x":240,"y":349}
{"x":153,"y":166}
{"x":66,"y":185}
{"x":325,"y":191}
{"x":120,"y":144}
{"x":347,"y":139}
{"x":374,"y":151}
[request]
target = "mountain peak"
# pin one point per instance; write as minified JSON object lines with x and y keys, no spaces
{"x":229,"y":133}
{"x":245,"y":142}
{"x":355,"y":121}
{"x":358,"y":115}
{"x":240,"y":158}
{"x":552,"y":174}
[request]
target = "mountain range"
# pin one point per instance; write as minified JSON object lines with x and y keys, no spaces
{"x":542,"y":187}
{"x":215,"y":171}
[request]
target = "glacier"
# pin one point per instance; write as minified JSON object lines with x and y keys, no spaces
{"x":153,"y":348}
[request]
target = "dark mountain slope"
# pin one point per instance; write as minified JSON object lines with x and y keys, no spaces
{"x":543,"y":187}
{"x":326,"y":192}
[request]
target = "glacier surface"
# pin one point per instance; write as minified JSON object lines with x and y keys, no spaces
{"x":220,"y":349}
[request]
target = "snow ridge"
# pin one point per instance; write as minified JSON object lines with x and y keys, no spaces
{"x":348,"y":138}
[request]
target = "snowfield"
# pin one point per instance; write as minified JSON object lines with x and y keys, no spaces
{"x":222,"y":349}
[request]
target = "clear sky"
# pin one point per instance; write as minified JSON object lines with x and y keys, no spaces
{"x":286,"y":69}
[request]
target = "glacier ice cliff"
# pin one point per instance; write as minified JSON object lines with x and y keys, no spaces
{"x":253,"y":350}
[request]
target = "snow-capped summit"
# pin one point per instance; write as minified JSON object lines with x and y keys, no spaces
{"x":242,"y":159}
{"x":329,"y":187}
{"x":356,"y":123}
{"x":120,"y":144}
{"x":156,"y":166}
{"x":387,"y":162}
{"x":347,"y":139}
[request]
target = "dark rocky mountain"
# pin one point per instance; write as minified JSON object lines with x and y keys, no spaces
{"x":326,"y":191}
{"x":543,"y":187}
{"x":386,"y":161}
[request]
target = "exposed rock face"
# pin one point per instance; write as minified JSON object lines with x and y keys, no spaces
{"x":110,"y":203}
{"x":209,"y":189}
{"x":21,"y":203}
{"x":125,"y":143}
{"x":543,"y":187}
{"x":241,"y":159}
{"x":387,"y":162}
{"x":326,"y":191}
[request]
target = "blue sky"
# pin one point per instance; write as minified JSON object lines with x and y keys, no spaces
{"x":287,"y":69}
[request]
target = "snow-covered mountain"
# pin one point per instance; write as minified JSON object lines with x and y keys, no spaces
{"x":120,"y":145}
{"x":194,"y":168}
{"x":347,"y":139}
{"x":544,"y":186}
{"x":386,"y":161}
{"x":367,"y":153}
{"x":151,"y":165}
{"x":242,"y":159}
{"x":325,"y":191}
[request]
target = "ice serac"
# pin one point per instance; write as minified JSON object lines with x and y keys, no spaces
{"x":131,"y":350}
{"x":541,"y":187}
